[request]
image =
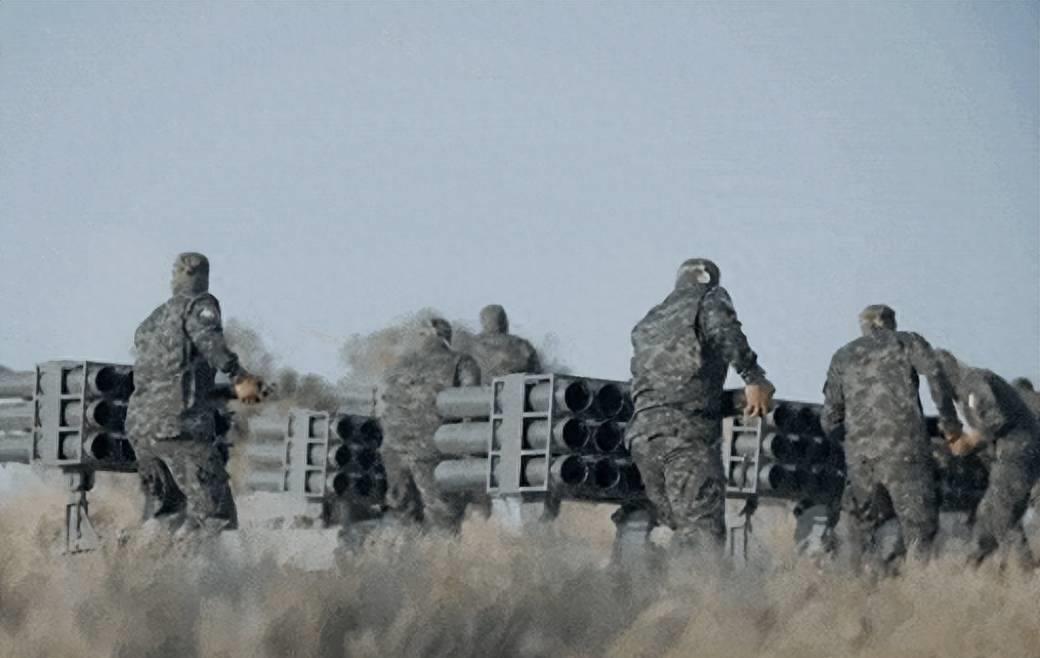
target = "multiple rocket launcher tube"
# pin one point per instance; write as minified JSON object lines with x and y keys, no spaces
{"x":67,"y":413}
{"x":315,"y":455}
{"x":587,"y":455}
{"x":787,"y":455}
{"x":578,"y":449}
{"x":16,"y":416}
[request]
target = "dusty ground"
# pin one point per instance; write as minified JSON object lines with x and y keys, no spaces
{"x":278,"y":593}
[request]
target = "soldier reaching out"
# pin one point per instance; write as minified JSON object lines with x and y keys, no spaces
{"x":998,"y":415}
{"x":170,"y":419}
{"x":682,"y":350}
{"x":871,"y":402}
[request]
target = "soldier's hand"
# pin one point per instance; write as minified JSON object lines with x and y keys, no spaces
{"x":250,"y":389}
{"x":965,"y":444}
{"x":757,"y":398}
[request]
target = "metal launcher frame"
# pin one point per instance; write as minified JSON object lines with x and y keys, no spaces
{"x":741,"y":472}
{"x":509,"y":453}
{"x":62,"y":396}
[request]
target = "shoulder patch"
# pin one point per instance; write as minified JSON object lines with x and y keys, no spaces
{"x":207,"y":309}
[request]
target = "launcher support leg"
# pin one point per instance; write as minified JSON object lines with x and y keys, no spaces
{"x":738,"y":526}
{"x":515,"y":512}
{"x":80,"y":535}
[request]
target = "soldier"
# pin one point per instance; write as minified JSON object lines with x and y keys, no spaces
{"x":171,"y":420}
{"x":682,"y":350}
{"x":499,"y":353}
{"x":410,"y":420}
{"x":872,"y":404}
{"x":999,"y":416}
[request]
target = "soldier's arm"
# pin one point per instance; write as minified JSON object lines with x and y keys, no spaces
{"x":719,"y":325}
{"x":534,"y":364}
{"x":923,"y":359}
{"x":467,"y":372}
{"x":984,"y":404}
{"x":204,"y":327}
{"x":832,"y":418}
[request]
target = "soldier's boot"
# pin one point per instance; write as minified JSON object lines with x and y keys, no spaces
{"x":863,"y":550}
{"x":634,"y":558}
{"x":353,"y":535}
{"x":1021,"y":554}
{"x":632,"y":545}
{"x":695,"y":551}
{"x":985,"y":545}
{"x":444,"y":515}
{"x":814,"y":533}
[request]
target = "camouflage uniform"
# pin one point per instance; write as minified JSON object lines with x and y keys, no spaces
{"x":410,"y":420}
{"x":871,"y":402}
{"x":171,"y":420}
{"x":498,"y":353}
{"x":1003,"y":417}
{"x":682,"y":350}
{"x":1029,"y":394}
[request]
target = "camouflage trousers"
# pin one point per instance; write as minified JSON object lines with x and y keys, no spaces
{"x":1012,"y":477}
{"x":680,"y":461}
{"x":877,"y":489}
{"x":413,"y":496}
{"x":186,"y":485}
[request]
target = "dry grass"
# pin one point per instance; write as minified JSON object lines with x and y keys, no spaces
{"x":490,"y":594}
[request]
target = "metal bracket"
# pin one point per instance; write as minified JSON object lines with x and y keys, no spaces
{"x":741,"y":470}
{"x":738,"y":525}
{"x":80,"y":535}
{"x":308,"y":437}
{"x":509,"y":455}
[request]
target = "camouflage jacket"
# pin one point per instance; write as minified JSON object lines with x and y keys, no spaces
{"x":409,"y":395}
{"x":503,"y":354}
{"x":1032,"y":400}
{"x":994,"y":408}
{"x":180,"y":346}
{"x":871,"y":396}
{"x":683,"y":347}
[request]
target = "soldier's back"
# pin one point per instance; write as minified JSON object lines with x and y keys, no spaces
{"x":670,"y":363}
{"x":159,"y":364}
{"x":1012,"y":406}
{"x":410,"y":392}
{"x":502,"y":354}
{"x":880,"y":388}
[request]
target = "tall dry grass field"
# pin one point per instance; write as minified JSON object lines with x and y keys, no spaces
{"x":490,"y":593}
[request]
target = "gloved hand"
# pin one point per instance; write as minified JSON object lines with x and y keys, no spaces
{"x":249,"y":389}
{"x":757,"y":398}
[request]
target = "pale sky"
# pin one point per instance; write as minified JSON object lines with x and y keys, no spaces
{"x":346,"y":164}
